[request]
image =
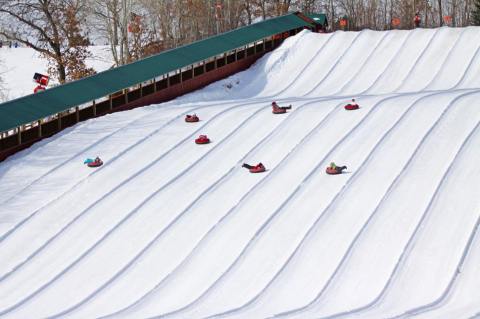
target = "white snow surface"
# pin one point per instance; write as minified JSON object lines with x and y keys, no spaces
{"x":18,"y":65}
{"x":168,"y":228}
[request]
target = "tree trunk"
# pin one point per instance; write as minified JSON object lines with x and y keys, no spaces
{"x":440,"y":13}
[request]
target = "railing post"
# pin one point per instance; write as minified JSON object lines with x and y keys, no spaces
{"x":263,"y":44}
{"x":181,"y":76}
{"x":235,"y":55}
{"x":19,"y":136}
{"x":39,"y":128}
{"x":254,"y":48}
{"x":125,"y":94}
{"x":94,"y":107}
{"x":168,"y":80}
{"x":110,"y":106}
{"x":154,"y":84}
{"x":77,"y":114}
{"x":59,"y":122}
{"x":204,"y":67}
{"x":215,"y":64}
{"x":141,"y":90}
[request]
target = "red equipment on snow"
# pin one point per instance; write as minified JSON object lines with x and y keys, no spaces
{"x":335,"y":170}
{"x":96,"y":163}
{"x":39,"y":88}
{"x":259,"y":168}
{"x":191,"y":118}
{"x":202,"y":139}
{"x":332,"y":171}
{"x":41,"y":79}
{"x":351,"y":107}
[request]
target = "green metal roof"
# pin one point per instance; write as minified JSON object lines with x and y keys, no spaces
{"x":37,"y":106}
{"x":319,"y":18}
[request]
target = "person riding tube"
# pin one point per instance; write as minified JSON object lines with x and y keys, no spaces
{"x":191,"y":118}
{"x":333,"y":169}
{"x":259,"y":168}
{"x":276,"y":109}
{"x":202,"y":139}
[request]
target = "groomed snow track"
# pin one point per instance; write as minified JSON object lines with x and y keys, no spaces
{"x":167,"y":228}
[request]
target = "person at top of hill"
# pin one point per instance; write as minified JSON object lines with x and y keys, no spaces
{"x":353,"y":102}
{"x":417,"y":20}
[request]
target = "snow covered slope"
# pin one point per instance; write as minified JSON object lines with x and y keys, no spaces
{"x":168,"y":228}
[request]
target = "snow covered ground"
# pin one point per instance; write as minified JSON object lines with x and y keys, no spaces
{"x":17,"y":66}
{"x":168,"y":228}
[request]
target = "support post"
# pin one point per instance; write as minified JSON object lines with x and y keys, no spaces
{"x":125,"y":94}
{"x":141,"y":90}
{"x":168,"y":80}
{"x":181,"y":76}
{"x":204,"y":66}
{"x":77,"y":114}
{"x":94,"y":107}
{"x":254,"y":48}
{"x":263,"y":44}
{"x":110,"y":104}
{"x":154,"y":84}
{"x":215,"y":64}
{"x":59,"y":122}
{"x":19,"y":136}
{"x":39,"y":128}
{"x":235,"y":55}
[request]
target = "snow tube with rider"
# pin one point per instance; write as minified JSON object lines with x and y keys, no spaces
{"x":257,"y":169}
{"x":351,"y":107}
{"x":336,"y":170}
{"x":93,"y":162}
{"x":191,"y":118}
{"x":278,"y":110}
{"x":202,"y":139}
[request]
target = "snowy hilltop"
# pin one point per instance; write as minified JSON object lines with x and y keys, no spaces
{"x":172,"y":224}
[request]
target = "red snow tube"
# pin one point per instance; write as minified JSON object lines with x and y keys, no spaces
{"x":350,"y":107}
{"x":257,"y":169}
{"x":332,"y":171}
{"x":191,"y":118}
{"x":278,"y":110}
{"x":95,"y":163}
{"x":202,"y":139}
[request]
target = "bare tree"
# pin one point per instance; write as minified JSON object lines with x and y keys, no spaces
{"x":49,"y":27}
{"x":440,"y":13}
{"x":105,"y":15}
